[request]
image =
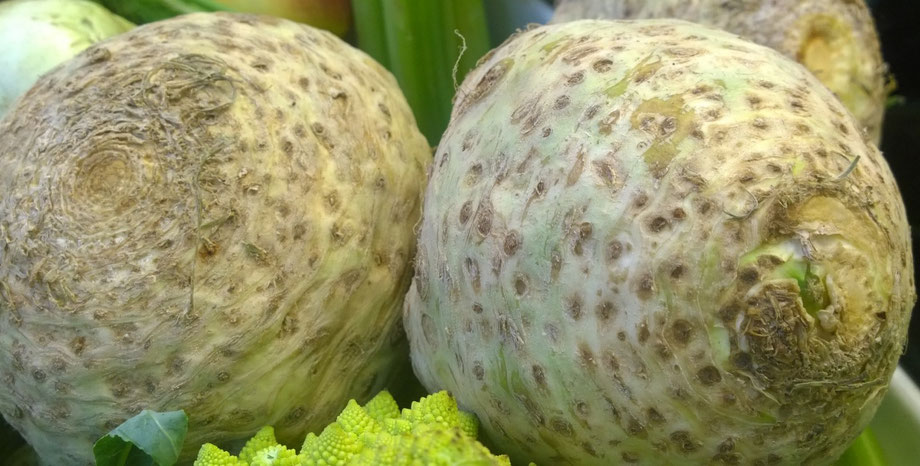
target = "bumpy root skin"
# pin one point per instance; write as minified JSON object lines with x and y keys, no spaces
{"x":214,"y":213}
{"x":835,"y":39}
{"x":655,"y":242}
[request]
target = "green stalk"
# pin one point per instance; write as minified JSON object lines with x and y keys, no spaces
{"x":865,"y":451}
{"x":417,"y":42}
{"x":370,"y":29}
{"x":147,"y":11}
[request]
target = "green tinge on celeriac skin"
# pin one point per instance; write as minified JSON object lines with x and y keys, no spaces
{"x":211,"y":213}
{"x":615,"y":230}
{"x":835,"y":39}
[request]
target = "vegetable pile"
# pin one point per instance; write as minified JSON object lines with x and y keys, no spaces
{"x":648,"y":241}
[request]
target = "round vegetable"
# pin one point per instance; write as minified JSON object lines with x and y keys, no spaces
{"x":37,"y":35}
{"x":212,"y":213}
{"x":655,"y":242}
{"x":835,"y":39}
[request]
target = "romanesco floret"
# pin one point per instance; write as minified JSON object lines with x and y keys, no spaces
{"x":356,"y":420}
{"x":210,"y":455}
{"x":264,"y":438}
{"x":438,"y":407}
{"x":432,"y":432}
{"x":468,"y":423}
{"x":334,"y":446}
{"x":382,"y":406}
{"x":431,"y":445}
{"x":276,"y":455}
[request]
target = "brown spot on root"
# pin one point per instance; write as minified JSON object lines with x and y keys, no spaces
{"x":677,"y":271}
{"x":573,"y":308}
{"x":520,"y":285}
{"x":592,"y":111}
{"x":635,"y":428}
{"x":602,"y":66}
{"x":484,"y":221}
{"x":657,"y":224}
{"x":709,"y":375}
{"x":640,"y":200}
{"x":654,"y":417}
{"x":512,"y":242}
{"x":614,"y":250}
{"x":605,"y":126}
{"x":562,"y":427}
{"x":575,"y":78}
{"x":487,"y":83}
{"x":555,"y":264}
{"x":605,"y":172}
{"x":749,"y":275}
{"x":684,"y":442}
{"x":539,"y":375}
{"x":681,"y":331}
{"x":584,"y":233}
{"x":577,"y":169}
{"x":645,"y":286}
{"x":586,"y":357}
{"x":611,"y":362}
{"x":561,"y":102}
{"x":605,"y":310}
{"x":465,"y":212}
{"x":77,"y":345}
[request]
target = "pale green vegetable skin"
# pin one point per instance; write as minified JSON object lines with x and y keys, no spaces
{"x":835,"y":39}
{"x":656,"y":242}
{"x":213,"y":213}
{"x":37,"y":35}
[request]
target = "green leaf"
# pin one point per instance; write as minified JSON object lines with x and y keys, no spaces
{"x":146,"y":439}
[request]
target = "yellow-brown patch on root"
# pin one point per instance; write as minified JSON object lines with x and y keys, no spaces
{"x":672,"y":124}
{"x":645,"y":69}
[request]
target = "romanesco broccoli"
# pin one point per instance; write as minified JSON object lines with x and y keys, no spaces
{"x":433,"y":431}
{"x":276,"y":455}
{"x":210,"y":455}
{"x":264,"y":438}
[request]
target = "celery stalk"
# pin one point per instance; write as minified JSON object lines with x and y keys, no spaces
{"x":146,"y":11}
{"x":417,"y":42}
{"x":370,"y":30}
